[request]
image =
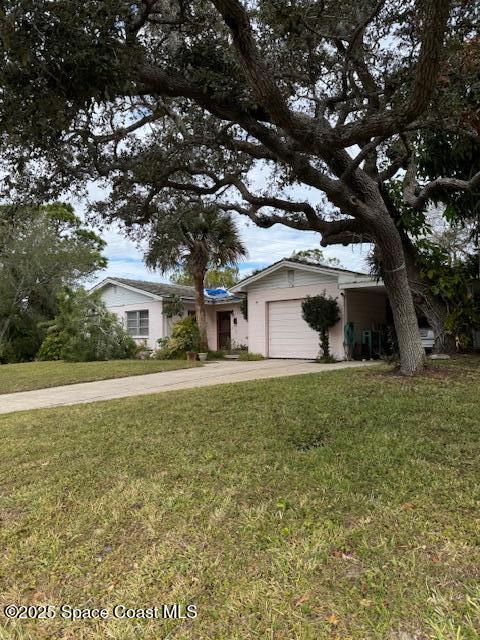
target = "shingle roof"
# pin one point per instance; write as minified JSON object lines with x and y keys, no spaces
{"x":301,"y":262}
{"x":320,"y":266}
{"x":158,"y":288}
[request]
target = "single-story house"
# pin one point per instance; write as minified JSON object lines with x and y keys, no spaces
{"x":275,"y":327}
{"x":139,"y":305}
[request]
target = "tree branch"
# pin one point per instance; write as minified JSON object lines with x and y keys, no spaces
{"x":443,"y":184}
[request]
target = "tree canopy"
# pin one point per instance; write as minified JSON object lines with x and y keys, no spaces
{"x":42,"y":249}
{"x":316,"y":256}
{"x":215,"y":277}
{"x":85,"y":331}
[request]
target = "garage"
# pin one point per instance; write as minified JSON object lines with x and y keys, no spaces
{"x":289,"y":336}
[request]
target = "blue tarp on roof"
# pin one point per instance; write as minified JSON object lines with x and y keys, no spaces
{"x":218,"y":294}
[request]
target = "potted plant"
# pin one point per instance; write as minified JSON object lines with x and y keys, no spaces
{"x":202,"y":356}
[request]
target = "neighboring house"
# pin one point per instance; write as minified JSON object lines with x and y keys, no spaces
{"x":139,"y":305}
{"x":276,"y":328}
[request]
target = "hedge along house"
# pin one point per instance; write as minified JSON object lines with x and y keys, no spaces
{"x":276,"y":328}
{"x":139,"y":305}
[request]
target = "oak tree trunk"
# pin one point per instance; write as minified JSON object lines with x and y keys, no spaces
{"x":389,"y":244}
{"x":432,"y":307}
{"x":200,"y":311}
{"x":436,"y":314}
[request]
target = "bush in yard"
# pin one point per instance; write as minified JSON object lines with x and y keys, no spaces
{"x":321,"y":313}
{"x":52,"y":346}
{"x":216,"y":355}
{"x":185,"y":337}
{"x":85,"y":331}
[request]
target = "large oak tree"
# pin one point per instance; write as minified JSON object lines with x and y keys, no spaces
{"x":160,"y":96}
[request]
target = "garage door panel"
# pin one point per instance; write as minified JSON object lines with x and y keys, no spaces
{"x":289,"y":336}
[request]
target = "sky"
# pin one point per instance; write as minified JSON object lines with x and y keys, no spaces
{"x":264,"y":246}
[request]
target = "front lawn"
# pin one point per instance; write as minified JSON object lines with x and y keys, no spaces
{"x":39,"y":375}
{"x":327,"y":506}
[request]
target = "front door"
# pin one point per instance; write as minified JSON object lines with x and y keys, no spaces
{"x":224,"y":336}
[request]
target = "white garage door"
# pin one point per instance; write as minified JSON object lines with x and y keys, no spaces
{"x":289,"y":336}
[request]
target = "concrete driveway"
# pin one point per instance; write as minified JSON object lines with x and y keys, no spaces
{"x":212,"y":373}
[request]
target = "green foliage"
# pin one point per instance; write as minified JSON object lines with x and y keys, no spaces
{"x":244,"y":306}
{"x":215,"y":277}
{"x":173,"y":306}
{"x":193,"y":237}
{"x":185,"y":337}
{"x":410,"y":220}
{"x":316,"y":256}
{"x":449,"y":154}
{"x":250,"y":356}
{"x":53,"y":346}
{"x":182,"y":276}
{"x":443,"y":278}
{"x":84,"y":331}
{"x":42,"y":249}
{"x":451,"y":281}
{"x":215,"y":355}
{"x":321,"y":313}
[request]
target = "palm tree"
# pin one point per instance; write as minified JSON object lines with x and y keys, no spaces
{"x":196,"y":237}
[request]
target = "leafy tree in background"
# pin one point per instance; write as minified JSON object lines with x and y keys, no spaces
{"x":192,"y":236}
{"x":85,"y":331}
{"x":42,"y":249}
{"x":224,"y":277}
{"x":317,"y":256}
{"x":441,"y":249}
{"x":321,"y":313}
{"x":156,"y":98}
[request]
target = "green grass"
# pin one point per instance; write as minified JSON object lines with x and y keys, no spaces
{"x":328,"y":506}
{"x":250,"y":355}
{"x":39,"y":375}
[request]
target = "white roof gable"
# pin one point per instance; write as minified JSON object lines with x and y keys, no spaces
{"x":329,"y":272}
{"x":117,"y":283}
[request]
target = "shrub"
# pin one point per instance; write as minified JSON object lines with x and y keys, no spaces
{"x":216,"y":355}
{"x":185,"y":337}
{"x":248,"y":355}
{"x":321,"y":313}
{"x":52,"y":347}
{"x":85,"y":331}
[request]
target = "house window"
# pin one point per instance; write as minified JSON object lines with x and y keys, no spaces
{"x":137,"y":323}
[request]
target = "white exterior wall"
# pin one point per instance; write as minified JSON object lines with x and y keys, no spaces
{"x":239,"y":330}
{"x":116,"y":295}
{"x":119,"y":300}
{"x":155,"y":320}
{"x":259,"y":298}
